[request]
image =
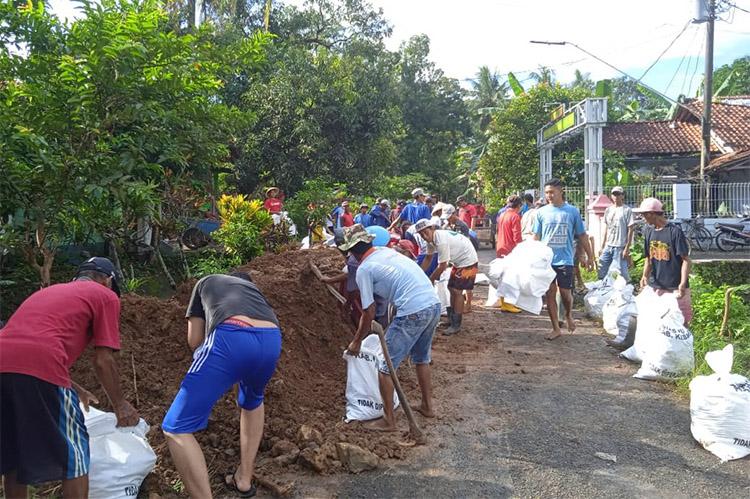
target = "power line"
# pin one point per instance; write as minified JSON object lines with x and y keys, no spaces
{"x":665,"y":50}
{"x":687,"y":66}
{"x":697,"y":62}
{"x":738,"y":7}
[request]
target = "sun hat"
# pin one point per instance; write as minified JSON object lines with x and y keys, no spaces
{"x":417,"y":192}
{"x":364,"y":205}
{"x":438,"y":206}
{"x":423,"y":224}
{"x":448,"y":211}
{"x":617,"y":188}
{"x":268,"y":191}
{"x":385,"y":202}
{"x":103,"y":266}
{"x":649,"y":205}
{"x":353,"y":235}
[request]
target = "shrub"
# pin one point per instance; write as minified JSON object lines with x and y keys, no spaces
{"x":243,"y":224}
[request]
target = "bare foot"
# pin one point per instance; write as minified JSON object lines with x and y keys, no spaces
{"x":428,"y":413}
{"x":553,"y":336}
{"x":380,"y":424}
{"x":571,"y":324}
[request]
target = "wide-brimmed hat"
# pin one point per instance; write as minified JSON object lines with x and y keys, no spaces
{"x":438,"y":206}
{"x":268,"y":191}
{"x":448,"y":211}
{"x":353,"y":235}
{"x":650,"y":205}
{"x":103,"y":266}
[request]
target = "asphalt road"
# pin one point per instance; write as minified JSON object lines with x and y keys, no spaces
{"x":524,"y":417}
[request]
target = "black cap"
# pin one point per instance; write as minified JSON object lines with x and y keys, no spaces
{"x":103,"y":266}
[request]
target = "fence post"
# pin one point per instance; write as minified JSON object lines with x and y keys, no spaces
{"x":682,"y":202}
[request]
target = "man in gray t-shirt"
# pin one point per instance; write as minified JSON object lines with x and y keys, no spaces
{"x":618,"y":235}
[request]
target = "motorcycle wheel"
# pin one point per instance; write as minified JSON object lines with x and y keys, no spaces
{"x":724,"y":242}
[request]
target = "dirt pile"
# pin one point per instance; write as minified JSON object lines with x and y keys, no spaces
{"x":305,"y":400}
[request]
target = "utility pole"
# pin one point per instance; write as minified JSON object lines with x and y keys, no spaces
{"x":198,"y":9}
{"x":707,"y":97}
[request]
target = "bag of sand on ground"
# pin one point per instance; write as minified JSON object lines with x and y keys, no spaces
{"x":363,"y":400}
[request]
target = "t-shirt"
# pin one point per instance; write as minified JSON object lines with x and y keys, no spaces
{"x":557,"y":227}
{"x":527,"y":223}
{"x":466,"y":213}
{"x":415,"y":211}
{"x":218,"y":297}
{"x":346,"y":219}
{"x":52,"y":328}
{"x":397,"y":279}
{"x":454,"y":248}
{"x":363,"y":218}
{"x":336,"y":216}
{"x":380,"y":217}
{"x":508,"y":232}
{"x":273,"y":205}
{"x":352,"y":264}
{"x":665,"y":248}
{"x":618,"y":219}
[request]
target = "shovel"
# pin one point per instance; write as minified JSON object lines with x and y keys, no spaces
{"x":414,"y":430}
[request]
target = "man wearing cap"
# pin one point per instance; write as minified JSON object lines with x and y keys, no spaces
{"x":414,"y":211}
{"x":272,"y":203}
{"x":558,"y":224}
{"x":345,"y":218}
{"x":466,"y":211}
{"x":236,"y":339}
{"x":667,"y":262}
{"x":400,"y":281}
{"x":457,"y":250}
{"x":42,"y":434}
{"x":381,"y":213}
{"x":363,"y":218}
{"x":618,"y":235}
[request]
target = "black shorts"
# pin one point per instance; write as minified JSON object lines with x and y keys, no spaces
{"x":463,"y":277}
{"x":564,"y":276}
{"x":42,"y":434}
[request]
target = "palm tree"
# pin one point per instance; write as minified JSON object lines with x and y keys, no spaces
{"x":582,"y":80}
{"x":545,"y":76}
{"x":489,"y":94}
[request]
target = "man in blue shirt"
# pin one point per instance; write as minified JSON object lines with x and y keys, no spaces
{"x":557,"y":224}
{"x":528,"y":203}
{"x":400,"y":281}
{"x":363,"y":218}
{"x":381,"y":213}
{"x":414,"y":211}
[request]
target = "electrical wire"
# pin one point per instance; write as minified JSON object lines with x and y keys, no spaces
{"x":695,"y":69}
{"x":738,"y":7}
{"x":665,"y":50}
{"x":679,"y":66}
{"x":687,"y":66}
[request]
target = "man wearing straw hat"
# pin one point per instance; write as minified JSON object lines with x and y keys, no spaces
{"x":272,"y":203}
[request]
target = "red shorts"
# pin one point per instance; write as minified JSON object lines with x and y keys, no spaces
{"x":463,"y":277}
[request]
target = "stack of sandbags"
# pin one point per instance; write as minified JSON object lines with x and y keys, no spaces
{"x":597,"y":296}
{"x":619,"y":309}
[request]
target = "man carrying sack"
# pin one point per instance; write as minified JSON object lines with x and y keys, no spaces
{"x":401,"y":282}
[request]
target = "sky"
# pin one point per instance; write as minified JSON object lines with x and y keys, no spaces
{"x":629,"y":34}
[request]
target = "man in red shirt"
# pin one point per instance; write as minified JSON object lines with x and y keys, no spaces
{"x":42,"y":434}
{"x":466,"y":211}
{"x":273,"y":203}
{"x":508,"y":236}
{"x":347,"y":220}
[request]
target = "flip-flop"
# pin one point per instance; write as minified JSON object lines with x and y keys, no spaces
{"x":233,"y":486}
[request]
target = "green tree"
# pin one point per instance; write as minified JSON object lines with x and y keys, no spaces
{"x":543,"y":76}
{"x":734,"y":78}
{"x":487,"y":95}
{"x":582,"y":80}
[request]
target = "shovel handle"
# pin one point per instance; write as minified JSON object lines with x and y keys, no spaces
{"x":414,"y":430}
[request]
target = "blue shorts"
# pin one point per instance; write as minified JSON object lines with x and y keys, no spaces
{"x":411,"y":335}
{"x":231,"y":354}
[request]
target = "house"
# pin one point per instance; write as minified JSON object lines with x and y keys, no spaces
{"x":670,"y":149}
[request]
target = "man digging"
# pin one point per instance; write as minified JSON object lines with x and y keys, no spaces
{"x":400,"y":281}
{"x":236,"y":338}
{"x":453,"y":248}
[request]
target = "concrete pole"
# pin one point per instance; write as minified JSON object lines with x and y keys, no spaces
{"x":707,"y":96}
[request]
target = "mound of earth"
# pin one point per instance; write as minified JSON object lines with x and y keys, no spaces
{"x":305,"y":400}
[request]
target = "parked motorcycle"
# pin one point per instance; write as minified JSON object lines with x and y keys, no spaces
{"x":731,"y":236}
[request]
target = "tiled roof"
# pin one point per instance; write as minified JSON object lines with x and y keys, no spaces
{"x":729,"y":122}
{"x":730,"y":159}
{"x":653,"y":137}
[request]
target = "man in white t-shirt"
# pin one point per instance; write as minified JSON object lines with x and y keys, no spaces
{"x":457,"y":250}
{"x":618,"y":235}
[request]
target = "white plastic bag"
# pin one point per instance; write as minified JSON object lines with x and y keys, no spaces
{"x":522,"y":277}
{"x":649,"y":313}
{"x":120,"y":457}
{"x":720,"y":408}
{"x":667,"y":350}
{"x":598,"y":295}
{"x":618,"y":310}
{"x":363,"y":400}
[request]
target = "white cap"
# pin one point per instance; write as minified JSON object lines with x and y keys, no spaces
{"x":385,"y":201}
{"x":438,"y":206}
{"x":423,"y":224}
{"x":448,"y":210}
{"x":417,"y":192}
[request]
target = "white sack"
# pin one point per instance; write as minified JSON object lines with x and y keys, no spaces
{"x":363,"y":400}
{"x":720,"y":408}
{"x":649,"y":313}
{"x":120,"y":457}
{"x":598,"y":295}
{"x":441,"y":289}
{"x":618,"y":310}
{"x":523,"y":276}
{"x":667,"y":350}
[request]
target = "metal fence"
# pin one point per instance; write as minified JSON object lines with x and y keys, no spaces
{"x":730,"y":200}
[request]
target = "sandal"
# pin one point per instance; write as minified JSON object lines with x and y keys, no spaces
{"x":233,"y":486}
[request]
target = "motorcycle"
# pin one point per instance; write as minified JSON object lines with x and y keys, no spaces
{"x":730,"y":236}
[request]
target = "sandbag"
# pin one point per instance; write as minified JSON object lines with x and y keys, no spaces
{"x":363,"y":400}
{"x":598,"y":294}
{"x":649,"y":313}
{"x":120,"y":457}
{"x":619,"y":309}
{"x":720,"y":408}
{"x":667,"y":350}
{"x":522,"y":277}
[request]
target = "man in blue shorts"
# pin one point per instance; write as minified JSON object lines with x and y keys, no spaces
{"x":400,"y":281}
{"x":236,"y":338}
{"x":557,"y":224}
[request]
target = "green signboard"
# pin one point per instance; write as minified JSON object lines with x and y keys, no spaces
{"x":566,"y":122}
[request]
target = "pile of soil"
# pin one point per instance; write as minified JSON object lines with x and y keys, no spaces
{"x":305,"y":400}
